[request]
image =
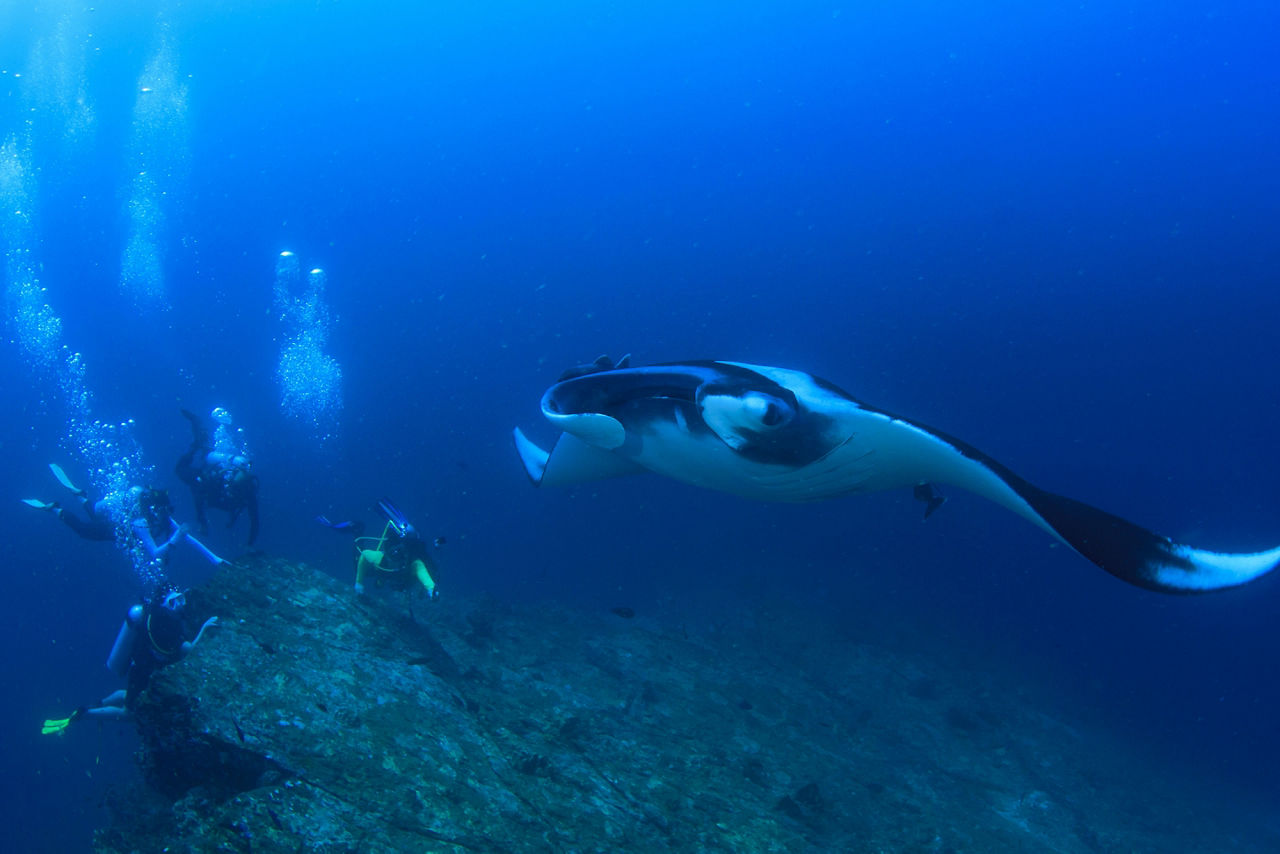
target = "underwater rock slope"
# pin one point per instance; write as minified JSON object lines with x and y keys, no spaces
{"x":316,"y":720}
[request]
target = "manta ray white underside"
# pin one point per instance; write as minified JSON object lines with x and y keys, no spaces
{"x":783,"y":435}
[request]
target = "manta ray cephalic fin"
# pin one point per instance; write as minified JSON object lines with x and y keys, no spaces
{"x":570,"y":461}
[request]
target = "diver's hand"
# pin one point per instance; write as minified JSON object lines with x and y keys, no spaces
{"x":208,"y":624}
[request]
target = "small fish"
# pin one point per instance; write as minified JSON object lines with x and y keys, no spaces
{"x":239,"y":732}
{"x":623,"y":611}
{"x":419,"y":661}
{"x":439,"y":541}
{"x":275,"y":819}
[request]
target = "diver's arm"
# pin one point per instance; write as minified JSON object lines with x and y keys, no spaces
{"x":143,"y":532}
{"x":212,"y":621}
{"x":205,"y":550}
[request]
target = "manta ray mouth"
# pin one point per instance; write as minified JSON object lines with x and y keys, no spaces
{"x":596,"y":407}
{"x":607,"y":392}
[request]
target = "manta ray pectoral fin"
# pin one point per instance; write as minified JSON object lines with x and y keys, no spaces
{"x":932,"y":498}
{"x":1136,"y":555}
{"x":570,"y":461}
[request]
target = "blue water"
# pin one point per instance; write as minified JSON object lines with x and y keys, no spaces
{"x":1046,"y":228}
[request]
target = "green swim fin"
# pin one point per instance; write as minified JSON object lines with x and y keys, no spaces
{"x":58,"y":727}
{"x":63,"y":479}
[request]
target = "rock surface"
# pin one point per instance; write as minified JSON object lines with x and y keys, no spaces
{"x":317,"y":720}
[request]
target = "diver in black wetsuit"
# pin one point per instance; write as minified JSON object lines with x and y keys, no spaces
{"x":154,"y":634}
{"x":217,"y":477}
{"x":95,"y":524}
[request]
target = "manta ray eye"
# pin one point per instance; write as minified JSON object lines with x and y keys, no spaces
{"x":769,"y":411}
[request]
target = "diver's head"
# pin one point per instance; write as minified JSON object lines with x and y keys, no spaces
{"x":169,"y":596}
{"x":155,"y":504}
{"x":221,"y":416}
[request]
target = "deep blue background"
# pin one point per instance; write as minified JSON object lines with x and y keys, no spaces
{"x":1046,"y":228}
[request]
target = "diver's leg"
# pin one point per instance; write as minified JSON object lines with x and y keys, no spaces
{"x":368,"y":558}
{"x":114,"y":705}
{"x":199,"y":435}
{"x":420,"y":570}
{"x":82,"y":527}
{"x":108,"y":712}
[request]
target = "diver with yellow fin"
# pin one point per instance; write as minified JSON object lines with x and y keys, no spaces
{"x":399,"y":555}
{"x":153,"y":635}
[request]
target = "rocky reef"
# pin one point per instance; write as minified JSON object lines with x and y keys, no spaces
{"x":317,"y":720}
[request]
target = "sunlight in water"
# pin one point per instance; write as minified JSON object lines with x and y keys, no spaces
{"x":160,"y":161}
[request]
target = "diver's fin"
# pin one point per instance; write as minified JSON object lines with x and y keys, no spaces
{"x":58,"y":727}
{"x":346,"y":525}
{"x":63,"y":479}
{"x":40,"y":505}
{"x":570,"y":461}
{"x":932,"y":498}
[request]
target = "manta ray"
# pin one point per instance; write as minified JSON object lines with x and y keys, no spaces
{"x":775,"y":434}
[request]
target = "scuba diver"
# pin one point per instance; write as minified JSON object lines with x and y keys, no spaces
{"x":399,"y":555}
{"x":218,"y":472}
{"x":95,"y":524}
{"x":155,"y":530}
{"x":154,"y":634}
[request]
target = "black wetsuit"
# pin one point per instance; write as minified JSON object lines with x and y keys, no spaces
{"x":400,"y":553}
{"x":93,"y":526}
{"x":231,"y":489}
{"x":157,"y":641}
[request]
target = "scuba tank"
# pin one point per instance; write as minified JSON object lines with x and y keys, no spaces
{"x":122,"y":649}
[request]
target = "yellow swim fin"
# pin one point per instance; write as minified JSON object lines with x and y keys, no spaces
{"x":58,"y":727}
{"x":55,"y":727}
